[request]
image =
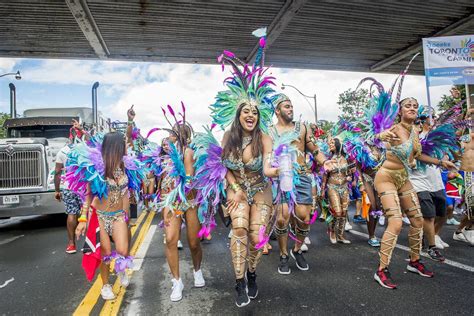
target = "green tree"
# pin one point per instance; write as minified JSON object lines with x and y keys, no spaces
{"x":448,"y":101}
{"x":351,"y":103}
{"x":3,"y":117}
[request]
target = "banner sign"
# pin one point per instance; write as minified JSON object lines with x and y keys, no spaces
{"x":449,"y":60}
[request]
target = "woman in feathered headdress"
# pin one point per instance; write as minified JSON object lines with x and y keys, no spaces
{"x":178,"y":199}
{"x":103,"y":174}
{"x":244,"y":161}
{"x":336,"y":181}
{"x":397,"y":193}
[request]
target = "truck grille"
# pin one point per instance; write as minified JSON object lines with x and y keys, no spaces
{"x":20,"y":169}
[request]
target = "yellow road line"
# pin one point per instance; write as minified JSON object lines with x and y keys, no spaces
{"x":113,"y":307}
{"x":89,"y":301}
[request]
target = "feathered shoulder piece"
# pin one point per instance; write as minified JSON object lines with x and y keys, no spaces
{"x":382,"y":110}
{"x":441,"y":140}
{"x":210,"y":171}
{"x":358,"y":150}
{"x":151,"y":157}
{"x":209,"y":178}
{"x":175,"y":170}
{"x":323,"y":147}
{"x":355,"y":147}
{"x":85,"y":166}
{"x":247,"y":84}
{"x":379,"y":115}
{"x":286,"y":138}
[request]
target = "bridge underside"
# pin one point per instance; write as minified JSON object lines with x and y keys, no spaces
{"x":378,"y":36}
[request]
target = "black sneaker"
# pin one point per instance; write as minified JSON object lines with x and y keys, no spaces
{"x":242,"y":298}
{"x":283,"y":267}
{"x":252,"y":289}
{"x":300,"y":260}
{"x":435,"y":255}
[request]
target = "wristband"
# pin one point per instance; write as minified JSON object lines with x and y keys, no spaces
{"x":82,"y":219}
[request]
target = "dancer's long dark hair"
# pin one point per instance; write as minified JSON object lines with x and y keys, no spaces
{"x":233,"y":147}
{"x":338,"y":147}
{"x":113,"y":150}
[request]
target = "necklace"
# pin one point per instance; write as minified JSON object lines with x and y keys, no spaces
{"x":117,"y":173}
{"x":406,"y":126}
{"x":246,"y":140}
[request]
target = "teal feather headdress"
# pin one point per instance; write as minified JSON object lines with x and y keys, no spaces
{"x":247,"y":85}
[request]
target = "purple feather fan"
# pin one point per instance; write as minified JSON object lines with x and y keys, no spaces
{"x":214,"y":172}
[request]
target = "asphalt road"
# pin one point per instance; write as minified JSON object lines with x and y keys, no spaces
{"x":49,"y":281}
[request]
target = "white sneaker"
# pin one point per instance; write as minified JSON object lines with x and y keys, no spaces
{"x":469,"y":235}
{"x":437,"y":238}
{"x":459,"y":237}
{"x":180,"y":245}
{"x":452,"y":221}
{"x":348,"y":226}
{"x":458,"y":210}
{"x":177,"y":290}
{"x":107,"y":293}
{"x":230,"y":234}
{"x":438,"y":242}
{"x":164,"y":239}
{"x":124,"y":279}
{"x":304,"y":247}
{"x":382,"y":220}
{"x":307,"y":241}
{"x":199,"y":279}
{"x":406,"y":220}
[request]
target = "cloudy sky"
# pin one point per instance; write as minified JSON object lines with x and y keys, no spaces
{"x":67,"y":83}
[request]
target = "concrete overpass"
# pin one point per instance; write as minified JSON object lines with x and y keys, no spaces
{"x":338,"y":35}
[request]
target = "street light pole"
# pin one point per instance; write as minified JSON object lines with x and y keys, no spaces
{"x":16,"y":74}
{"x":315,"y":110}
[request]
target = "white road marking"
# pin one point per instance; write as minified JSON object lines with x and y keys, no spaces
{"x":8,"y":240}
{"x":448,"y":262}
{"x":6,"y":283}
{"x":141,"y":253}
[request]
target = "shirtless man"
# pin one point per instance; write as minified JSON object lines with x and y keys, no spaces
{"x":299,"y":223}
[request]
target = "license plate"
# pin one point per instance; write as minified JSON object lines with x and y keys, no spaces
{"x":11,"y":199}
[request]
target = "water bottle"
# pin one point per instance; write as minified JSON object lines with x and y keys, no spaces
{"x":286,"y":173}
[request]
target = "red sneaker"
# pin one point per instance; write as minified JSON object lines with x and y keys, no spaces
{"x":418,"y":267}
{"x":384,"y":279}
{"x":71,"y":249}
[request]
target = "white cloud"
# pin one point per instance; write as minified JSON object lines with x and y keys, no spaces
{"x":7,"y":65}
{"x":151,"y":85}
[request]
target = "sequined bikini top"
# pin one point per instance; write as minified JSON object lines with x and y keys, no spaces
{"x":404,"y":150}
{"x":116,"y":190}
{"x":253,"y":165}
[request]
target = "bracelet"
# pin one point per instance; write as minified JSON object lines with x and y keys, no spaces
{"x":85,"y":209}
{"x":82,"y":219}
{"x":236,"y":187}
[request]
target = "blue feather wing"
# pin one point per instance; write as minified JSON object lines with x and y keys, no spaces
{"x":440,"y":142}
{"x":85,"y":166}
